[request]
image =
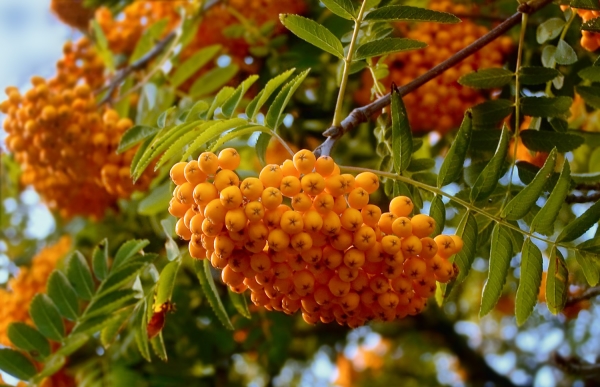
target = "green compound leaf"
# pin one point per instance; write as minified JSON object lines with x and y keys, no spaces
{"x":262,"y":97}
{"x":134,"y":136}
{"x":386,"y":46}
{"x":546,"y":106}
{"x":530,"y":281}
{"x":500,"y":256}
{"x":437,"y":211}
{"x":545,"y":218}
{"x":63,"y":295}
{"x":213,"y":80}
{"x":408,"y":13}
{"x":402,"y":144}
{"x":544,"y":141}
{"x":557,"y":282}
{"x":537,"y":75}
{"x":240,"y":303}
{"x":211,"y":293}
{"x":523,"y":202}
{"x":46,"y":317}
{"x":487,"y":78}
{"x":342,"y":8}
{"x":128,"y":250}
{"x":109,"y":302}
{"x":580,"y":225}
{"x":100,"y":259}
{"x":275,"y":113}
{"x":28,"y":339}
{"x":453,"y":162}
{"x":468,"y":231}
{"x":16,"y":364}
{"x":314,"y":33}
{"x":80,"y":276}
{"x":488,"y":178}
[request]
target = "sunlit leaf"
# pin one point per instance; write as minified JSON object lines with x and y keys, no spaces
{"x":314,"y":33}
{"x":408,"y":13}
{"x":275,"y":113}
{"x":16,"y":364}
{"x":386,"y":46}
{"x":194,"y":63}
{"x":488,"y":178}
{"x":453,"y":162}
{"x":557,"y":282}
{"x":46,"y":317}
{"x":580,"y":225}
{"x":402,"y":144}
{"x":261,"y":98}
{"x":487,"y":78}
{"x":210,"y":291}
{"x":240,"y":303}
{"x":28,"y":339}
{"x":80,"y":276}
{"x":63,"y":295}
{"x":500,"y":256}
{"x":530,"y":281}
{"x":545,"y":218}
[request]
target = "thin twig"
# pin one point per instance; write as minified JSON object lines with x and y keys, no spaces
{"x":590,"y":198}
{"x":586,"y":295}
{"x":135,"y":66}
{"x":363,"y":114}
{"x":575,"y":366}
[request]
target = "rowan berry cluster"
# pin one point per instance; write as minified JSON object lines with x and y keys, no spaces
{"x":17,"y":296}
{"x":589,"y":40}
{"x":65,"y":143}
{"x":303,"y":236}
{"x":440,"y":103}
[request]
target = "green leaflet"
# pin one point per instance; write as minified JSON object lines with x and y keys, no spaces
{"x":80,"y":276}
{"x":53,"y":364}
{"x":500,"y":256}
{"x":487,"y":78}
{"x":546,"y":106}
{"x":222,"y":96}
{"x":592,"y":25}
{"x":194,"y":63}
{"x":536,"y":75}
{"x":210,"y":132}
{"x":468,"y":231}
{"x":549,"y":29}
{"x":212,"y":80}
{"x":588,"y":264}
{"x":488,"y":178}
{"x":179,"y":145}
{"x":157,"y":200}
{"x":489,"y":114}
{"x":158,"y":346}
{"x":46,"y":317}
{"x":120,"y":276}
{"x":170,"y":245}
{"x":402,"y":144}
{"x":565,"y":54}
{"x":275,"y":113}
{"x":28,"y":339}
{"x":545,"y":218}
{"x":342,"y":8}
{"x":579,"y":226}
{"x":63,"y":295}
{"x":234,"y":100}
{"x":128,"y":250}
{"x":314,"y":33}
{"x":240,"y":303}
{"x":386,"y":46}
{"x":100,"y":259}
{"x":530,"y":281}
{"x":16,"y":364}
{"x":591,"y":73}
{"x":111,"y":331}
{"x":140,"y":322}
{"x":437,"y":211}
{"x":239,"y":132}
{"x":557,"y":282}
{"x":522,"y":203}
{"x":453,"y":163}
{"x":210,"y":291}
{"x":166,"y":282}
{"x":135,"y":135}
{"x":109,"y":302}
{"x":261,"y":98}
{"x":545,"y":141}
{"x":196,"y":111}
{"x":407,"y":13}
{"x":590,"y":94}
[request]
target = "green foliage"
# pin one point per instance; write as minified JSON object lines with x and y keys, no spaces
{"x":453,"y":162}
{"x":402,"y":144}
{"x":342,"y":8}
{"x":204,"y":274}
{"x":488,"y":179}
{"x":314,"y":33}
{"x":386,"y":46}
{"x":556,"y":282}
{"x":500,"y":255}
{"x":529,"y":284}
{"x":408,"y":13}
{"x":487,"y":78}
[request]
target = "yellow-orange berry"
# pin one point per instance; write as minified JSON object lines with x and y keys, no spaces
{"x":204,"y":193}
{"x":231,"y":198}
{"x":358,"y":198}
{"x":226,"y":178}
{"x":271,"y":176}
{"x":229,"y":158}
{"x":367,"y":181}
{"x":290,"y":186}
{"x":401,"y":206}
{"x":252,"y":188}
{"x":177,"y":173}
{"x":304,"y":161}
{"x":324,"y":166}
{"x":208,"y":163}
{"x":271,"y":198}
{"x":193,"y":174}
{"x":422,"y":225}
{"x":402,"y":227}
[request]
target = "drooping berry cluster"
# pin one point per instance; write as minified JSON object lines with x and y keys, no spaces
{"x":65,"y":143}
{"x":440,"y":103}
{"x":303,"y":236}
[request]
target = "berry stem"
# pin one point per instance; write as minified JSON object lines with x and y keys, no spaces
{"x":524,"y":19}
{"x":363,"y":114}
{"x":337,"y":120}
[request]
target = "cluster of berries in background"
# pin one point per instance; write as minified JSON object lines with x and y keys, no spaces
{"x":589,"y":40}
{"x":21,"y":289}
{"x":440,"y":103}
{"x":65,"y":143}
{"x":303,"y":236}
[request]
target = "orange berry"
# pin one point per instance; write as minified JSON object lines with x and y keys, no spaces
{"x":304,"y":161}
{"x":177,"y":173}
{"x":252,"y":188}
{"x":229,"y":158}
{"x":208,"y":163}
{"x":358,"y":198}
{"x":181,"y":230}
{"x":367,"y":181}
{"x":193,"y":174}
{"x":231,"y":198}
{"x":422,"y":225}
{"x":401,"y":206}
{"x":324,"y":166}
{"x":226,"y":178}
{"x":271,"y":175}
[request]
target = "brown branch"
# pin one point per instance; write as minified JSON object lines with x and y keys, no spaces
{"x":363,"y":114}
{"x":136,"y":66}
{"x":588,"y":187}
{"x":590,"y":198}
{"x":575,"y":366}
{"x":586,"y":295}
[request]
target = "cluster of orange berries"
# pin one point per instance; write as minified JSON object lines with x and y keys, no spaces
{"x":303,"y":236}
{"x":17,"y":296}
{"x":440,"y":103}
{"x":65,"y":143}
{"x":589,"y":40}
